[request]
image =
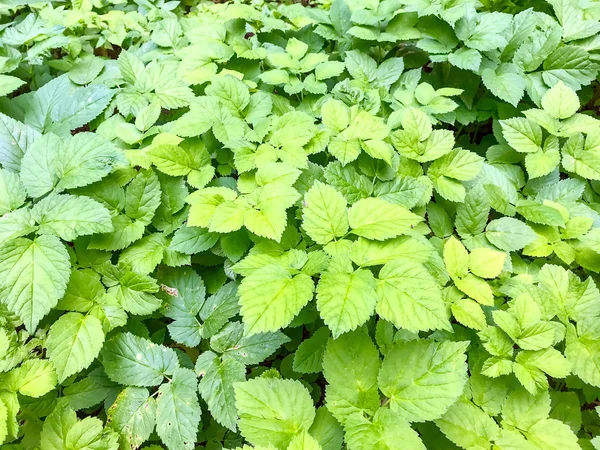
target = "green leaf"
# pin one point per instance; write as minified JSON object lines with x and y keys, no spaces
{"x":469,"y":313}
{"x":568,"y":295}
{"x":273,"y":411}
{"x":350,"y":366}
{"x":74,"y":341}
{"x":465,"y":58}
{"x":9,"y":84}
{"x":60,"y":106}
{"x":15,"y":140}
{"x":144,"y":255}
{"x":174,"y":160}
{"x":346,"y":300}
{"x":62,"y":429}
{"x":583,"y":156}
{"x":522,"y":134}
{"x":456,"y":258}
{"x":505,"y":82}
{"x":569,"y":64}
{"x":270,"y":298}
{"x":472,"y":214}
{"x":309,"y":354}
{"x":231,"y":92}
{"x":468,"y":426}
{"x":178,"y":411}
{"x":233,"y":343}
{"x":324,"y":216}
{"x":523,"y":410}
{"x":135,"y":361}
{"x":386,"y":430}
{"x":12,"y":191}
{"x":439,"y":368}
{"x":509,"y":234}
{"x":33,"y":378}
{"x":560,"y":101}
{"x":216,"y":386}
{"x":219,"y":308}
{"x":553,"y":435}
{"x":3,"y":420}
{"x":458,"y":164}
{"x":69,"y":217}
{"x":132,"y":415}
{"x":142,"y":197}
{"x":304,"y":441}
{"x":132,"y":290}
{"x":486,"y":263}
{"x":33,"y":276}
{"x":476,"y":288}
{"x":327,"y":430}
{"x":55,"y":164}
{"x":361,"y":66}
{"x":582,"y":350}
{"x":190,"y":240}
{"x":410,"y":298}
{"x":373,"y":218}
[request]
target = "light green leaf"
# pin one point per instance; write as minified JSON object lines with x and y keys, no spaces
{"x":505,"y":82}
{"x":33,"y":378}
{"x":142,"y":197}
{"x":386,"y":431}
{"x":509,"y":234}
{"x":410,"y":298}
{"x":273,"y":411}
{"x":9,"y":84}
{"x":350,"y":366}
{"x":62,"y":430}
{"x":33,"y":276}
{"x":231,"y":92}
{"x":270,"y":298}
{"x":582,"y":156}
{"x":12,"y":191}
{"x":523,"y":410}
{"x":469,"y":313}
{"x":377,"y":219}
{"x":3,"y":421}
{"x":468,"y":426}
{"x":346,"y":299}
{"x":583,"y":350}
{"x":465,"y":58}
{"x":486,"y":263}
{"x":522,"y":134}
{"x":144,"y":255}
{"x":456,"y":258}
{"x":552,"y":434}
{"x":324,"y":216}
{"x":74,"y":341}
{"x":69,"y":216}
{"x":233,"y":343}
{"x":15,"y":140}
{"x":327,"y":430}
{"x":476,"y":288}
{"x":422,"y":378}
{"x":55,"y":164}
{"x":560,"y":101}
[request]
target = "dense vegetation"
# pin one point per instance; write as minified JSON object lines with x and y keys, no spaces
{"x":353,"y":225}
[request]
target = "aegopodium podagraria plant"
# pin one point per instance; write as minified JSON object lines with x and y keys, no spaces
{"x":358,"y":225}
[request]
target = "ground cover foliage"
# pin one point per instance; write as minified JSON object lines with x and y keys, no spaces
{"x":357,"y":225}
